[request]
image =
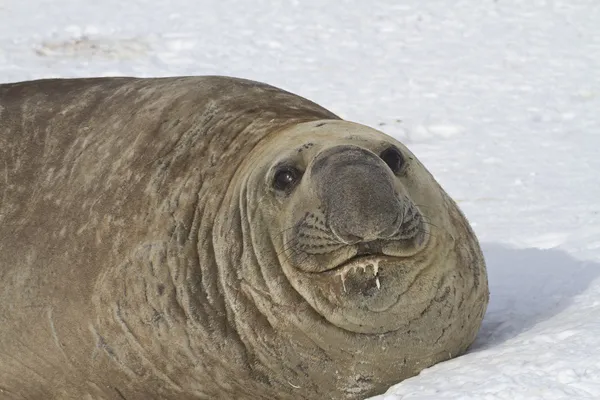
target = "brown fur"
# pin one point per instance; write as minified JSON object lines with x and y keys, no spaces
{"x":141,"y":253}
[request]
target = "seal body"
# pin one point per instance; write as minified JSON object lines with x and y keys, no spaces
{"x":218,"y":238}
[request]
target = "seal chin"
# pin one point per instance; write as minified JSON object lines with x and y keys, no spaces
{"x":361,"y":294}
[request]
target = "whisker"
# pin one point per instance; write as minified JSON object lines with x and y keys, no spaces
{"x":322,"y":228}
{"x":422,"y":205}
{"x":283,"y":231}
{"x":428,"y":222}
{"x":428,"y":233}
{"x":306,"y":256}
{"x":294,"y":251}
{"x":323,"y":239}
{"x":284,"y":248}
{"x":325,"y":249}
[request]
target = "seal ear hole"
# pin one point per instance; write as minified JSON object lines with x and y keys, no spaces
{"x":286,"y":178}
{"x":393,"y":158}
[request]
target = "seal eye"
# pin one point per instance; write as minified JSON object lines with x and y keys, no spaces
{"x":285,"y":178}
{"x":393,"y":158}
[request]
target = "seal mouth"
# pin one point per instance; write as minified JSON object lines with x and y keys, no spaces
{"x":361,"y":275}
{"x":359,"y":261}
{"x":366,"y":265}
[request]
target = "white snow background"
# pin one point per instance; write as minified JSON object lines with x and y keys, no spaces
{"x":499,"y":99}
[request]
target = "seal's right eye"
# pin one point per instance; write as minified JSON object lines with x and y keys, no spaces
{"x":286,"y":178}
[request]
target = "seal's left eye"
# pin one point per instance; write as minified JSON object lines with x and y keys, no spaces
{"x":286,"y":178}
{"x":393,"y":158}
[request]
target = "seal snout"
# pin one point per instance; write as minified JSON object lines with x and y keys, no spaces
{"x":356,"y":188}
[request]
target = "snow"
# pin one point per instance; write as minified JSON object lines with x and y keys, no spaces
{"x":499,"y":98}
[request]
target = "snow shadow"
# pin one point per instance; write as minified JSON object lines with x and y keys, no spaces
{"x":528,"y":286}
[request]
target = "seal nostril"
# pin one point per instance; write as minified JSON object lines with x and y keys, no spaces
{"x":393,"y":158}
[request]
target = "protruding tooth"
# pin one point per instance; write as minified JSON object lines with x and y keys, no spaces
{"x":375,"y":267}
{"x":377,"y":282}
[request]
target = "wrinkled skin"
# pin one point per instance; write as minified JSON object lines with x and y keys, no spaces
{"x":216,"y":238}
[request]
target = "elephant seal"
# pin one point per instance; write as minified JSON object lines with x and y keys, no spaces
{"x":218,"y":238}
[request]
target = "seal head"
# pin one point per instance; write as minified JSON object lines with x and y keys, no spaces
{"x":342,"y":207}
